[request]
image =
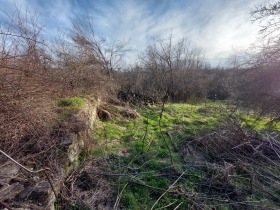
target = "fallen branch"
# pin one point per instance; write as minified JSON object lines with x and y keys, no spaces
{"x":20,"y":165}
{"x":168,"y":189}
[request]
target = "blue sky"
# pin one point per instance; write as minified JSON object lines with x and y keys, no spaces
{"x":218,"y":27}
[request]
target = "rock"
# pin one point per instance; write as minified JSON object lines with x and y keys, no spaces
{"x":8,"y":171}
{"x":26,"y":206}
{"x":130,"y":114}
{"x":124,"y":152}
{"x":21,"y":208}
{"x":116,"y":102}
{"x":26,"y":193}
{"x":10,"y":191}
{"x":40,"y":192}
{"x":68,"y":139}
{"x":73,"y":151}
{"x":89,"y":113}
{"x":103,"y":114}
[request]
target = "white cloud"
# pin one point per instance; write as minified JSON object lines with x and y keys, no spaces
{"x":228,"y":29}
{"x":217,"y":26}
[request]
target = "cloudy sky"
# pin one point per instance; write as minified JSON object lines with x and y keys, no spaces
{"x":219,"y":27}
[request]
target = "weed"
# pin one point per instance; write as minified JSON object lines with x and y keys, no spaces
{"x":71,"y":102}
{"x":83,"y":156}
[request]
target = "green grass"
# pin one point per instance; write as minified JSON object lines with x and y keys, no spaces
{"x":154,"y":151}
{"x":260,"y":124}
{"x":68,"y":106}
{"x":75,"y":102}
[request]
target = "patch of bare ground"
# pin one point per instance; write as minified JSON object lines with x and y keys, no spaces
{"x":86,"y":188}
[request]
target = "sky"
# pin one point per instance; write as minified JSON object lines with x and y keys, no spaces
{"x":218,"y":27}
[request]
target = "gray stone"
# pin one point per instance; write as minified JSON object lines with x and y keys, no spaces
{"x":10,"y":191}
{"x":68,"y":139}
{"x":8,"y":171}
{"x":26,"y":193}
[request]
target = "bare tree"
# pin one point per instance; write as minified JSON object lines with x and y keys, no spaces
{"x":109,"y":54}
{"x":87,"y":62}
{"x":268,"y":46}
{"x":257,"y":76}
{"x":268,"y":17}
{"x":23,"y":51}
{"x":171,"y":68}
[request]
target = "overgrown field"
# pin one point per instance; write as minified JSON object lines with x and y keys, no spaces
{"x":182,"y":156}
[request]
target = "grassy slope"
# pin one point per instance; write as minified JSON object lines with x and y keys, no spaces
{"x":144,"y":158}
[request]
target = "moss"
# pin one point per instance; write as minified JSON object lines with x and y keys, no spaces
{"x":68,"y":107}
{"x":75,"y":102}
